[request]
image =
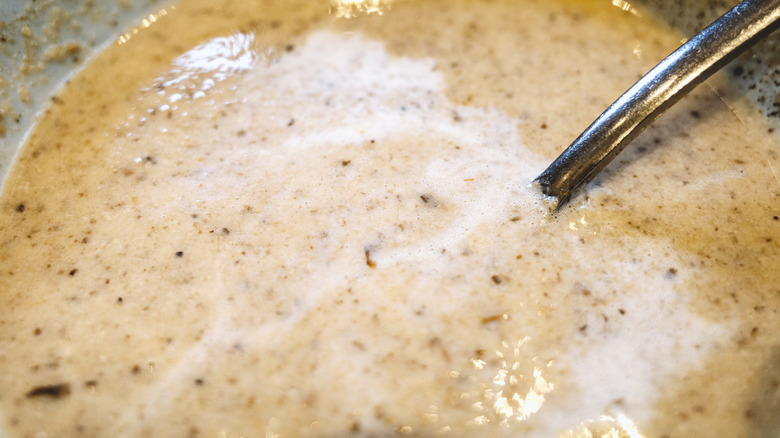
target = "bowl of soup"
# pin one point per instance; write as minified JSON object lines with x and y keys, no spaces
{"x":312,"y":218}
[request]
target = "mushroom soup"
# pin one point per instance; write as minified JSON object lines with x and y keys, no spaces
{"x":304,"y":218}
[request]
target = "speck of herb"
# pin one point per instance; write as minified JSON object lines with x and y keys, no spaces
{"x":492,"y":318}
{"x":371,"y":264}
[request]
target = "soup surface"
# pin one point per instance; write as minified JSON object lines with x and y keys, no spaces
{"x":301,"y":218}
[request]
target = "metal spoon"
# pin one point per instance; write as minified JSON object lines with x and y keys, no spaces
{"x":662,"y":87}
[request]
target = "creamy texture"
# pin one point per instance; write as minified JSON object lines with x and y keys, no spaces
{"x":300,"y":220}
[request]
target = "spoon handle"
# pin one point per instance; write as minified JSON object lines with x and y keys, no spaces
{"x":660,"y":88}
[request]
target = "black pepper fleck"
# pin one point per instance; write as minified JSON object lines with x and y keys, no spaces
{"x":73,"y":272}
{"x":429,"y":200}
{"x":53,"y":391}
{"x":179,"y":253}
{"x":20,"y":208}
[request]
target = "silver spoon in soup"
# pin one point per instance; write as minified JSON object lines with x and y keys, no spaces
{"x":664,"y":85}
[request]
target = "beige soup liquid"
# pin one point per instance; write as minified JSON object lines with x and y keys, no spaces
{"x":312,"y":219}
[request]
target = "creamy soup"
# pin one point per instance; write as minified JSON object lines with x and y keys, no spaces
{"x":296,"y":218}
